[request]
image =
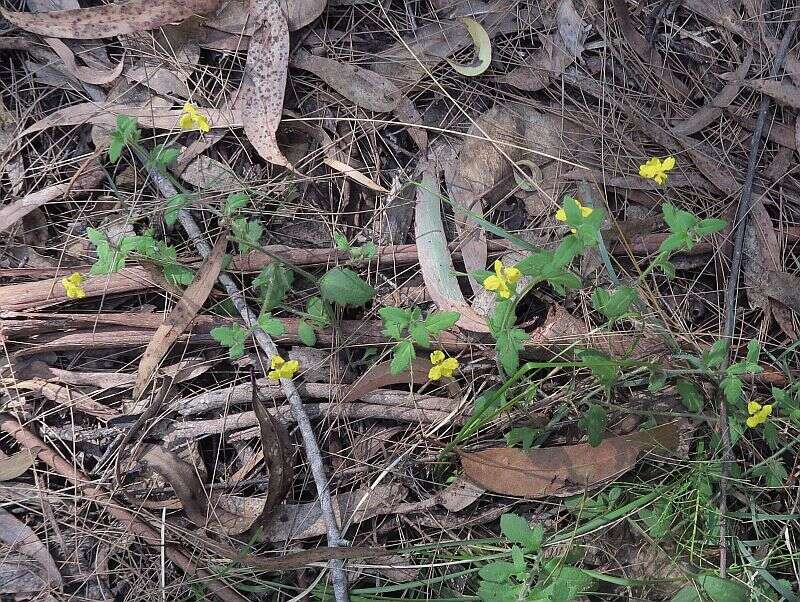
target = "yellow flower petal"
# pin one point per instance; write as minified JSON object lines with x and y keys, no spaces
{"x":585,"y":211}
{"x":492,"y":283}
{"x":435,"y":373}
{"x":561,"y":215}
{"x":767,"y":410}
{"x":73,"y":285}
{"x":753,"y":407}
{"x":498,"y":268}
{"x":202,"y":123}
{"x":513,"y":274}
{"x":449,"y":366}
{"x":668,"y":163}
{"x":753,"y":422}
{"x":437,"y":357}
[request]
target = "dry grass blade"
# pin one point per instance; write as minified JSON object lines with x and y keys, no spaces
{"x":564,"y":471}
{"x":110,"y":19}
{"x":19,"y":535}
{"x":261,"y":96}
{"x":181,"y":315}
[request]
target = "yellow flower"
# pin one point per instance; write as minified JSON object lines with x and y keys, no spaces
{"x":74,"y":286}
{"x":758,"y":413}
{"x":561,"y":214}
{"x":281,"y":368}
{"x":442,"y":366}
{"x":191,"y":119}
{"x":503,"y":280}
{"x":656,"y":169}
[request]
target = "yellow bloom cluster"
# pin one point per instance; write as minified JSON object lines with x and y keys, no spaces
{"x":442,"y":366}
{"x":73,"y":284}
{"x":281,"y":368}
{"x":758,"y":413}
{"x":656,"y":169}
{"x":192,"y":119}
{"x":561,"y":214}
{"x":503,"y":280}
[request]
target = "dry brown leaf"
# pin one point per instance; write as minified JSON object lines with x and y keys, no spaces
{"x":68,"y":398}
{"x":784,"y":287}
{"x":435,"y":260}
{"x":364,"y":88}
{"x":105,"y":114}
{"x":558,"y":51}
{"x":90,"y":75}
{"x":181,"y":315}
{"x":564,"y":471}
{"x":781,"y":91}
{"x":15,"y":465}
{"x":380,"y":376}
{"x":13,"y":212}
{"x":261,"y":95}
{"x":712,"y":111}
{"x":234,"y":17}
{"x":354,"y":174}
{"x":18,"y":535}
{"x":110,"y":19}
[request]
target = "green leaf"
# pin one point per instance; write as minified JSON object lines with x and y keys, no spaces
{"x":678,"y":221}
{"x":235,"y":202}
{"x":753,"y":351}
{"x":318,"y":312}
{"x":402,"y":356}
{"x":691,"y":397}
{"x":723,"y":590}
{"x":248,"y":233}
{"x":674,"y":242}
{"x":534,"y":264}
{"x":306,"y":333}
{"x":688,"y":593}
{"x":173,"y":207}
{"x":127,"y":128}
{"x":344,"y":287}
{"x":497,"y":571}
{"x":616,"y":304}
{"x":232,"y":337}
{"x":509,"y":343}
{"x":368,"y":250}
{"x":395,"y":321}
{"x":272,"y":326}
{"x":439,"y":321}
{"x":274,"y":281}
{"x":109,"y":260}
{"x":488,"y":400}
{"x":594,"y":423}
{"x":563,"y":280}
{"x":161,"y":156}
{"x":420,"y":334}
{"x":710,"y":226}
{"x":115,"y":147}
{"x":602,"y":366}
{"x":340,"y":240}
{"x":518,"y":558}
{"x":491,"y":591}
{"x":523,"y":435}
{"x":178,"y":274}
{"x":517,"y":530}
{"x":714,"y":357}
{"x":732,"y":387}
{"x":586,"y":229}
{"x":569,"y":248}
{"x":667,"y":267}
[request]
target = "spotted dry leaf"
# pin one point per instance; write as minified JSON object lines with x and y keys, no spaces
{"x":265,"y":79}
{"x":110,"y":19}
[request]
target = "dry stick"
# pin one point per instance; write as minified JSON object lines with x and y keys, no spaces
{"x":338,"y":576}
{"x":136,"y":525}
{"x":732,"y":288}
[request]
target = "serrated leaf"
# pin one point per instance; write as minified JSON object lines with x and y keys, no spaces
{"x":235,"y":202}
{"x":178,"y":274}
{"x":691,"y":397}
{"x":109,"y":260}
{"x":523,"y":435}
{"x":497,"y":571}
{"x":714,"y":357}
{"x":483,"y":44}
{"x":710,"y":226}
{"x":232,"y":337}
{"x":753,"y":351}
{"x":603,"y":367}
{"x":439,"y":321}
{"x":274,"y":281}
{"x":272,"y":326}
{"x":115,"y":148}
{"x":517,"y":530}
{"x":534,"y":264}
{"x":402,"y":356}
{"x":395,"y":321}
{"x":420,"y":334}
{"x":340,"y":240}
{"x":173,"y":208}
{"x":616,"y":304}
{"x":569,"y":248}
{"x":732,"y":388}
{"x":508,"y":345}
{"x":344,"y":287}
{"x":593,"y":422}
{"x":319,"y":314}
{"x":248,"y":233}
{"x":306,"y":333}
{"x":677,"y":220}
{"x":723,"y":590}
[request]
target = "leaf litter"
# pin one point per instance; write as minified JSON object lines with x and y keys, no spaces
{"x":433,"y":138}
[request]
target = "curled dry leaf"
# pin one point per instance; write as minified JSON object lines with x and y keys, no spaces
{"x":90,"y":75}
{"x":16,"y":534}
{"x":109,"y":19}
{"x":180,"y":317}
{"x":712,"y":111}
{"x":483,"y":45}
{"x":435,"y":260}
{"x":380,"y":376}
{"x":568,"y":470}
{"x":364,"y":88}
{"x":233,"y":16}
{"x":261,"y":95}
{"x":15,"y":465}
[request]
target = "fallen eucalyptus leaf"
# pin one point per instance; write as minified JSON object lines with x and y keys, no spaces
{"x":483,"y":44}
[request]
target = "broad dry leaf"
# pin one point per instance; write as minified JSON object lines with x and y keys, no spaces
{"x":181,"y":315}
{"x":435,"y":260}
{"x":88,"y":178}
{"x":781,"y":91}
{"x":105,"y":114}
{"x":784,"y":287}
{"x":354,"y":174}
{"x":20,"y":536}
{"x":564,"y":471}
{"x":364,"y":88}
{"x":109,"y":19}
{"x":69,"y":398}
{"x":261,"y":95}
{"x":380,"y":376}
{"x":712,"y":111}
{"x":90,"y":75}
{"x":483,"y":45}
{"x":234,"y":16}
{"x":15,"y":465}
